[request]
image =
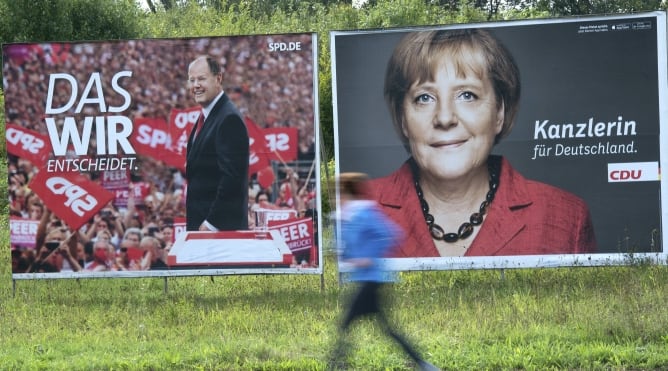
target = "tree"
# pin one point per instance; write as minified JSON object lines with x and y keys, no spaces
{"x":553,"y":7}
{"x":166,"y":5}
{"x":585,"y":7}
{"x":68,"y":20}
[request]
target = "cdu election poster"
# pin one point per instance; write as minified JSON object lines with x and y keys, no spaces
{"x":531,"y":143}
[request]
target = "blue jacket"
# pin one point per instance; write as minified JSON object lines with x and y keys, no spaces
{"x":366,"y":232}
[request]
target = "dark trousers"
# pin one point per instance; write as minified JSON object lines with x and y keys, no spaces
{"x":367,"y":300}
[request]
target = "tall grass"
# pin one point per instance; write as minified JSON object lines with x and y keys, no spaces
{"x":605,"y":318}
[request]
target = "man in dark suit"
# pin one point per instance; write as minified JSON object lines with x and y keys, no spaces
{"x":217,"y":159}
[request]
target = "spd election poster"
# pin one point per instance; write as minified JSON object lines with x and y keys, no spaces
{"x":516,"y":144}
{"x":122,"y":152}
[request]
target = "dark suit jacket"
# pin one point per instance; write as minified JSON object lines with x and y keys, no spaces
{"x":217,"y":170}
{"x":525,"y":218}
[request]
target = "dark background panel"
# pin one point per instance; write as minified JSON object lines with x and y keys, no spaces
{"x":567,"y":76}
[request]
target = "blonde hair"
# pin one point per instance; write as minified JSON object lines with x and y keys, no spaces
{"x":418,"y":55}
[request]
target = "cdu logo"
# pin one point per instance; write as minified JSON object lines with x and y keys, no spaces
{"x":633,"y":172}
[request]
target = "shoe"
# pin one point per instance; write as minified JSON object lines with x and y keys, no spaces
{"x":426,"y":366}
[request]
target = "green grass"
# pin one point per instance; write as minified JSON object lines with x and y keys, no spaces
{"x":598,"y":318}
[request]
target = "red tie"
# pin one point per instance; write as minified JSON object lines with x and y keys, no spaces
{"x":199,"y":124}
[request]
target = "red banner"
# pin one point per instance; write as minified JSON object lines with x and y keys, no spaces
{"x":23,"y":232}
{"x":27,"y":144}
{"x":181,"y":123}
{"x":279,"y":144}
{"x":154,"y":138}
{"x":282,"y":143}
{"x":71,"y":196}
{"x":297,"y":233}
{"x":257,"y":159}
{"x":150,"y":137}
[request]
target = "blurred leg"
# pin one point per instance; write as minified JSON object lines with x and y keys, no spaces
{"x":355,"y":308}
{"x":394,"y":334}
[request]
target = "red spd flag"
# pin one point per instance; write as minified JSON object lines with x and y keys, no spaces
{"x":297,"y":233}
{"x":27,"y":144}
{"x":176,"y":160}
{"x":181,"y":123}
{"x":150,"y":137}
{"x":22,"y":232}
{"x":257,"y":159}
{"x":282,"y":143}
{"x":71,"y":196}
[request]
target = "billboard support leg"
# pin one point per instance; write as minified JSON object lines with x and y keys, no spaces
{"x":322,"y":282}
{"x":502,"y":274}
{"x":13,"y":288}
{"x":165,"y":285}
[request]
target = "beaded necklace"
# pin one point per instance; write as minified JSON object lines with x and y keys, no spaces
{"x":466,"y":229}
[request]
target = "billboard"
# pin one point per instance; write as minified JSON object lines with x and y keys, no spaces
{"x":162,"y":157}
{"x":510,"y":144}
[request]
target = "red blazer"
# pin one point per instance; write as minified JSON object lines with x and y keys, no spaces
{"x":525,"y":218}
